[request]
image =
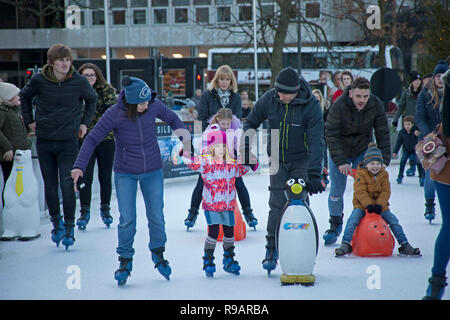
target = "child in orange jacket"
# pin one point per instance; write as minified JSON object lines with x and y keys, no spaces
{"x":372,"y":191}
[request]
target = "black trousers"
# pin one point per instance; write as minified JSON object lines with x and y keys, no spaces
{"x":56,"y":159}
{"x":104,"y":154}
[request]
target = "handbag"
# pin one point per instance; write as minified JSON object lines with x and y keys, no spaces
{"x":432,"y":152}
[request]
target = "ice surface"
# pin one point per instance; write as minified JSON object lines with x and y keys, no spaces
{"x":39,"y":270}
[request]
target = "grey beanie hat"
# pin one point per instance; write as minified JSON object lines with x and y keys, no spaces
{"x":372,"y":154}
{"x":287,"y":81}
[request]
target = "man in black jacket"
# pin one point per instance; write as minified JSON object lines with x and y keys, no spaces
{"x":60,"y":119}
{"x":291,"y":110}
{"x":348,"y":130}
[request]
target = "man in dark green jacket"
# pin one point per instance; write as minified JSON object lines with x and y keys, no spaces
{"x":348,"y":130}
{"x":59,"y":121}
{"x":295,"y":119}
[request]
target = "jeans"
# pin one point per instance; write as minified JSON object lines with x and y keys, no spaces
{"x":56,"y":159}
{"x":241,"y":190}
{"x":338,"y":182}
{"x":429,"y":188}
{"x":442,"y":247}
{"x":389,"y":217}
{"x":152,"y":187}
{"x":413,"y":159}
{"x":104,"y":153}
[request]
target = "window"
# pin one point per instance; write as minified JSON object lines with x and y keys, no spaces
{"x":140,"y":16}
{"x":267,"y":8}
{"x":98,"y":18}
{"x":160,"y":8}
{"x":312,"y":10}
{"x":202,"y":15}
{"x":181,"y":11}
{"x":118,"y":17}
{"x":223,"y":10}
{"x":244,"y":11}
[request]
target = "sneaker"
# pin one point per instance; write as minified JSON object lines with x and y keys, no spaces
{"x":344,"y":249}
{"x":407,"y":250}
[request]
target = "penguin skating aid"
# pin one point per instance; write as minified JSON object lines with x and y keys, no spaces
{"x":297,"y":236}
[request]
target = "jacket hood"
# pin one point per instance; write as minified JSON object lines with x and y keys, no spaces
{"x":47,"y":72}
{"x":235,"y":122}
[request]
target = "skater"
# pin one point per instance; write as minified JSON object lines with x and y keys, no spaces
{"x":325,"y":104}
{"x":296,"y":115}
{"x":222,"y":94}
{"x":348,"y":130}
{"x":406,"y":107}
{"x":137,"y":160}
{"x":408,"y":137}
{"x":59,"y":121}
{"x":103,"y":153}
{"x":219,"y":172}
{"x":371,"y":191}
{"x":438,"y":279}
{"x":13,"y":134}
{"x":427,"y":118}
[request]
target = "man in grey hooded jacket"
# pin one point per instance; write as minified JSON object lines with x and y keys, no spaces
{"x":295,"y":114}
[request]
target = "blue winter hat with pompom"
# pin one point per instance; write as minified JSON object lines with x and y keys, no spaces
{"x":441,"y":67}
{"x":136,"y":90}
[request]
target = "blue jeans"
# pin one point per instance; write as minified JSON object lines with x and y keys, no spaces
{"x":338,"y":182}
{"x":428,"y":188}
{"x":442,"y":247}
{"x":389,"y":217}
{"x":152,"y":187}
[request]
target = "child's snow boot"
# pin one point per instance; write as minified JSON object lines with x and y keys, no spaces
{"x":69,"y":238}
{"x":124,"y":271}
{"x":249,"y":217}
{"x":429,"y":209}
{"x":160,"y":263}
{"x":189,"y":222}
{"x":407,"y":250}
{"x":270,"y":261}
{"x":435,"y":289}
{"x":58,"y":229}
{"x":399,"y":179}
{"x":229,"y":264}
{"x":208,"y":263}
{"x":105,"y":214}
{"x":333,"y":233}
{"x":344,"y":249}
{"x":83,"y":220}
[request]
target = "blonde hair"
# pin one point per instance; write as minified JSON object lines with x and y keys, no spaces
{"x":322,"y":100}
{"x":222,"y":114}
{"x":226,"y":156}
{"x":224,"y":71}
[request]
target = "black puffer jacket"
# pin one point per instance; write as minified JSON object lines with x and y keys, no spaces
{"x":59,"y":104}
{"x":210,"y":103}
{"x":349,"y":131}
{"x":299,"y":124}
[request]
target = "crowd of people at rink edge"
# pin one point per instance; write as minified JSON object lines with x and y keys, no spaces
{"x":79,"y":119}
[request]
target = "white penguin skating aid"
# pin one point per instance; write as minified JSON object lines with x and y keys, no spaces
{"x":298,"y":240}
{"x":21,"y":214}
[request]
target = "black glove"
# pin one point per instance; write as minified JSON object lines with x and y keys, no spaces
{"x":314,"y":185}
{"x":374,"y":208}
{"x":394,"y":124}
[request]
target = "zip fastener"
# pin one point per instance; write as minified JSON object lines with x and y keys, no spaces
{"x":284,"y":131}
{"x":142,"y":143}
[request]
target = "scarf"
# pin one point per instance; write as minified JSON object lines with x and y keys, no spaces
{"x":224,"y":96}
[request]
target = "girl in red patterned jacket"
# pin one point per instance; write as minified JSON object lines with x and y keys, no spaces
{"x":219,"y":172}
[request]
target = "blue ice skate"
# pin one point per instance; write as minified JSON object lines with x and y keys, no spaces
{"x":160,"y":263}
{"x":249,"y":217}
{"x":229,"y":264}
{"x":270,"y":261}
{"x":69,"y":238}
{"x":83,"y":220}
{"x":105,"y":214}
{"x":399,"y":179}
{"x":124,"y":271}
{"x":208,"y":263}
{"x":58,"y":230}
{"x":335,"y":230}
{"x":189,"y":222}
